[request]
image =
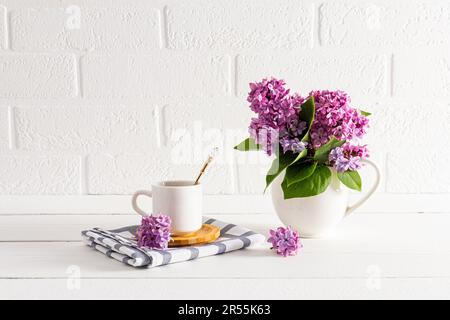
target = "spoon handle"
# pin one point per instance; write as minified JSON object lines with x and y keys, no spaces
{"x":203,"y":169}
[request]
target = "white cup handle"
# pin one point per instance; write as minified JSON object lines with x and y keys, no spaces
{"x":134,"y":201}
{"x":374,"y":187}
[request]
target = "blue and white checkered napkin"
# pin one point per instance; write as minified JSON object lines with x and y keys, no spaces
{"x":121,"y":245}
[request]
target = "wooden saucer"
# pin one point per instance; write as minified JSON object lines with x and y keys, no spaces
{"x":207,"y":233}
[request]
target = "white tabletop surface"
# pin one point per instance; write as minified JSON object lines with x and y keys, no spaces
{"x":371,"y":255}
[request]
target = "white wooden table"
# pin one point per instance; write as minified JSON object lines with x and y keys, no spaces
{"x":398,"y":255}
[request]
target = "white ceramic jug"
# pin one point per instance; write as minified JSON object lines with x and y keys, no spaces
{"x":318,"y":215}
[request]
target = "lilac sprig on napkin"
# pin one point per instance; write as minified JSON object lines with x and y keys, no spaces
{"x":154,"y":232}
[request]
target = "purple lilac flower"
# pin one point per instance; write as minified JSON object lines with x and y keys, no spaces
{"x":335,"y":154}
{"x":338,"y":160}
{"x":285,"y":241}
{"x":295,"y":127}
{"x":344,"y":164}
{"x":154,"y":232}
{"x":277,"y":112}
{"x":347,"y":157}
{"x":292,"y":144}
{"x":335,"y":117}
{"x":356,"y":150}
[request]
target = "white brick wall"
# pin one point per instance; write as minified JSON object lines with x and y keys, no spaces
{"x":85,"y":129}
{"x":150,"y":76}
{"x":413,"y":71}
{"x":109,"y":174}
{"x":124,"y":174}
{"x":99,"y":28}
{"x":107,"y":96}
{"x":37,"y":76}
{"x":3,"y":23}
{"x":236,"y":24}
{"x":385,"y":23}
{"x":426,"y":174}
{"x":4,"y":134}
{"x":319,"y":70}
{"x":29,"y":175}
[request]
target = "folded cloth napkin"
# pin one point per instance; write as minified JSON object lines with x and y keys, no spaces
{"x":121,"y":245}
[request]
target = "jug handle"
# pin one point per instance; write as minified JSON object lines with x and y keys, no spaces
{"x":374,"y":187}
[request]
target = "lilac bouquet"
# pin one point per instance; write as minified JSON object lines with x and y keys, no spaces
{"x":307,"y":135}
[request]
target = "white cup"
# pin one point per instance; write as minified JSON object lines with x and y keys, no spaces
{"x":181,"y":200}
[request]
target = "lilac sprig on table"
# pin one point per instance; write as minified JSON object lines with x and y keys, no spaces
{"x":285,"y":241}
{"x":308,"y":136}
{"x":154,"y":232}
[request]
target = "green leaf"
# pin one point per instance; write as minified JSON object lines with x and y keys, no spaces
{"x":280,"y":163}
{"x":248,"y":145}
{"x":308,"y":109}
{"x":365,"y":113}
{"x":299,"y":156}
{"x":351,"y":179}
{"x":315,"y":184}
{"x":321,"y":154}
{"x":299,"y":171}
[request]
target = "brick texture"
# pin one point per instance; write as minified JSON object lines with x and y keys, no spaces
{"x":85,"y":28}
{"x":195,"y":129}
{"x":251,"y":170}
{"x":4,"y":128}
{"x":124,"y":174}
{"x":318,"y":71}
{"x":385,"y":23}
{"x":426,"y":73}
{"x":37,"y":76}
{"x":427,"y":174}
{"x":238,"y":24}
{"x":85,"y":129}
{"x":3,"y":23}
{"x":46,"y":175}
{"x":393,"y":131}
{"x":148,"y":76}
